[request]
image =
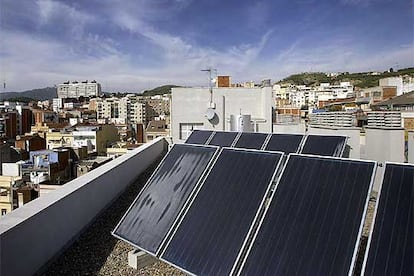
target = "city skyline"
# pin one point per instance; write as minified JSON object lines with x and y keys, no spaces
{"x":136,"y":45}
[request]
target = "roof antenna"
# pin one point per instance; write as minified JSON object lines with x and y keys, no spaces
{"x":210,"y":81}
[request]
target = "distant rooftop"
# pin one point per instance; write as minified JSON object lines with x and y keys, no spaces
{"x":405,"y":99}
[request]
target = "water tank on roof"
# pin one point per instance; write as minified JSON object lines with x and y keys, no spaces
{"x":241,"y":123}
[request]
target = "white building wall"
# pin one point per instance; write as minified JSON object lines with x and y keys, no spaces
{"x":137,"y":113}
{"x":393,"y":81}
{"x":85,"y":138}
{"x":408,"y":87}
{"x":382,"y":145}
{"x":289,"y":128}
{"x":189,"y":106}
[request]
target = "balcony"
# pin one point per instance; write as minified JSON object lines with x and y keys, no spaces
{"x":80,"y":213}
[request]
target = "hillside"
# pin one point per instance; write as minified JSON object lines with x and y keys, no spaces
{"x":361,"y":80}
{"x":40,"y":94}
{"x":165,"y":89}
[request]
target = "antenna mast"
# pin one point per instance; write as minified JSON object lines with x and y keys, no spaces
{"x":210,"y":81}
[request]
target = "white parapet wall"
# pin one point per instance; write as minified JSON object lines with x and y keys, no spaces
{"x":32,"y":235}
{"x":353,"y":134}
{"x":384,"y":144}
{"x":289,"y":128}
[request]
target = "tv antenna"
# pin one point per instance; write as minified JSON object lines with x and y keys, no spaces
{"x":210,"y":81}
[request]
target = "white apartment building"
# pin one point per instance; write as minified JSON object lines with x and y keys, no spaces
{"x":95,"y":138}
{"x":403,"y":85}
{"x":130,"y":109}
{"x":57,"y":104}
{"x":302,"y":95}
{"x":77,"y":89}
{"x":197,"y":108}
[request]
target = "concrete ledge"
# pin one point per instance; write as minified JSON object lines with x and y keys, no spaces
{"x":33,"y":234}
{"x":139,"y":259}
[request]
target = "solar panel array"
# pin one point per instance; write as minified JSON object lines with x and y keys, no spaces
{"x":212,"y":233}
{"x":391,"y":246}
{"x":314,"y":219}
{"x":287,"y":143}
{"x":212,"y":210}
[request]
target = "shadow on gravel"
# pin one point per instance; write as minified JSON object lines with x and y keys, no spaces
{"x":360,"y":256}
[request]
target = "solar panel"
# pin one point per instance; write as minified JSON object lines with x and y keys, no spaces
{"x":287,"y":143}
{"x":324,"y":145}
{"x":153,"y":212}
{"x":391,"y":246}
{"x":251,"y":140}
{"x":209,"y":238}
{"x":199,"y":137}
{"x":223,"y":139}
{"x":314,"y":219}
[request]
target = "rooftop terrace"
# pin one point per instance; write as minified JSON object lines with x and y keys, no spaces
{"x":68,"y":232}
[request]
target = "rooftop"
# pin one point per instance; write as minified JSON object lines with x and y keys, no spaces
{"x":87,"y":229}
{"x":405,"y":99}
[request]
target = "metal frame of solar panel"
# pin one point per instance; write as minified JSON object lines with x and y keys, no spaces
{"x":199,"y":137}
{"x":251,"y":140}
{"x":215,"y":228}
{"x":288,"y":234}
{"x":287,"y":143}
{"x":389,"y":249}
{"x":150,"y":221}
{"x":222,"y":138}
{"x":320,"y":147}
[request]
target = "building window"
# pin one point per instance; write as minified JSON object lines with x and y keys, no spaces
{"x":3,"y":212}
{"x":187,"y":128}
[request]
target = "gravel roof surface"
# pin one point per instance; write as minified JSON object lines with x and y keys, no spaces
{"x":97,"y":252}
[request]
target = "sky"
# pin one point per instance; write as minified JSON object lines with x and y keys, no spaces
{"x":129,"y":46}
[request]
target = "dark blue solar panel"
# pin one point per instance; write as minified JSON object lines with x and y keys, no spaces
{"x":313,"y":222}
{"x":223,"y":139}
{"x":153,"y":212}
{"x":198,"y":137}
{"x":249,"y":140}
{"x":213,"y":231}
{"x":391,"y":251}
{"x":324,"y":145}
{"x":288,"y":143}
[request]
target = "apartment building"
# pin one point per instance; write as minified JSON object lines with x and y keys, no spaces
{"x":57,"y":139}
{"x":9,"y":199}
{"x":302,"y":95}
{"x":77,"y":89}
{"x":95,"y":137}
{"x":120,"y":110}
